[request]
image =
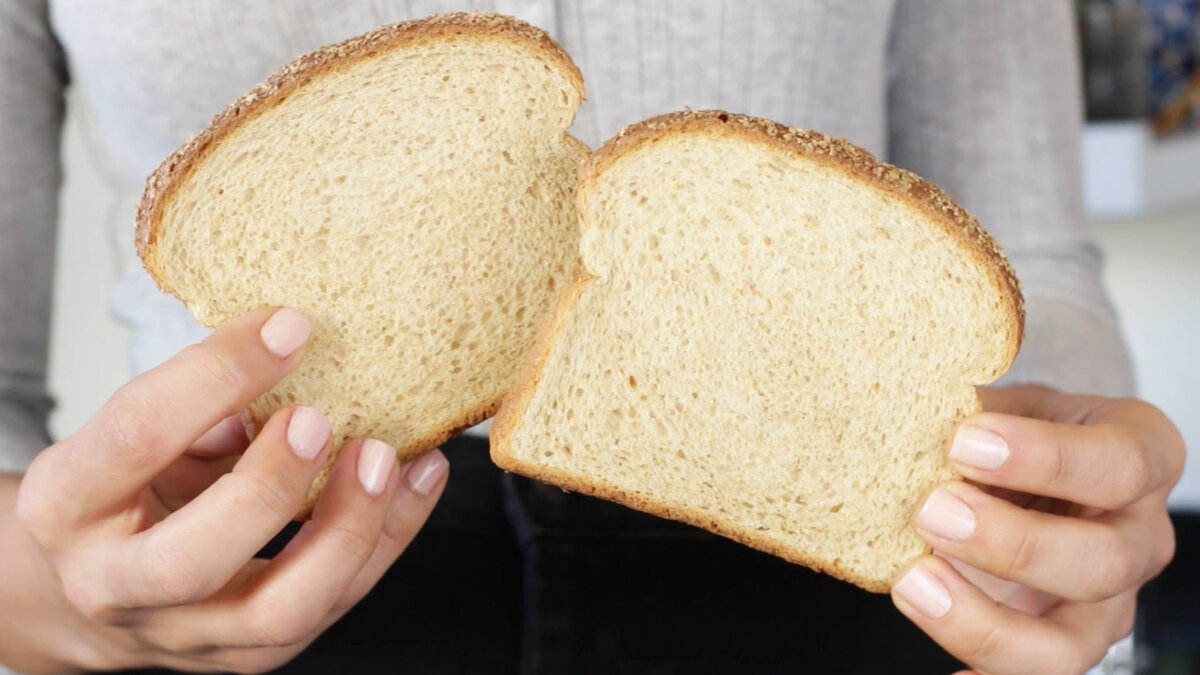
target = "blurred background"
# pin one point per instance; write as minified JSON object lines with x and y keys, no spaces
{"x":1141,"y":155}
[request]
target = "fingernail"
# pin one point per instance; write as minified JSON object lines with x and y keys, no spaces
{"x":284,"y":332}
{"x":979,"y":448}
{"x":375,"y":461}
{"x":307,"y":432}
{"x":946,"y":516}
{"x":425,"y":473}
{"x":925,"y":592}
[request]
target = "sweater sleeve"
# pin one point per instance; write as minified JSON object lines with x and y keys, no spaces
{"x":32,"y":82}
{"x":985,"y":100}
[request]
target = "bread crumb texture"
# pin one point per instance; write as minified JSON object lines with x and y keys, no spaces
{"x":776,"y":343}
{"x":410,"y":191}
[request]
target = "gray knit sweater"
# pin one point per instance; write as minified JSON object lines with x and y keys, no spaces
{"x":980,"y":96}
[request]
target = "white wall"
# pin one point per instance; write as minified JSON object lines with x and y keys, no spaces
{"x":1153,"y":271}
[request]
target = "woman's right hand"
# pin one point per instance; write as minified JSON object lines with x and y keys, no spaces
{"x":149,"y":521}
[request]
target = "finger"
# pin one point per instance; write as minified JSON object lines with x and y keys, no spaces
{"x":178,"y":630}
{"x":227,"y":437}
{"x":1155,"y":431}
{"x":1040,"y":550}
{"x":155,"y":417}
{"x":1106,"y":622}
{"x":420,"y":489}
{"x":299,"y":588}
{"x":984,"y":634}
{"x":212,"y":455}
{"x":196,"y":550}
{"x":1011,"y":593}
{"x":187,"y":477}
{"x":1103,"y":465}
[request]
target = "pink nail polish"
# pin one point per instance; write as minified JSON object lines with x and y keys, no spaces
{"x":285,"y":332}
{"x":307,"y":432}
{"x":979,"y":448}
{"x":425,"y":473}
{"x":924,"y":591}
{"x":946,"y":516}
{"x":375,"y":462}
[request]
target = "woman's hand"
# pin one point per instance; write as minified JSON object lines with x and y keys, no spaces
{"x":1042,"y":550}
{"x":146,"y":523}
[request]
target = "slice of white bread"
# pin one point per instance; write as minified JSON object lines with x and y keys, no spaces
{"x":776,"y":339}
{"x":410,"y":191}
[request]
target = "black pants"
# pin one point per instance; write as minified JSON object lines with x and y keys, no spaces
{"x":509,"y":576}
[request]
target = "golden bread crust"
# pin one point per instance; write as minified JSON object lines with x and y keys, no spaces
{"x":163,"y":181}
{"x":837,"y":153}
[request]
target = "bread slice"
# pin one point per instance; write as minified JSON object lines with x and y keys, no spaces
{"x":410,"y":191}
{"x":776,"y":339}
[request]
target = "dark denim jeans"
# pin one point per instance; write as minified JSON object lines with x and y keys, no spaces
{"x":510,"y":576}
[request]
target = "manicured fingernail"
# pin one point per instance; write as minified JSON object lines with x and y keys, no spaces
{"x":284,"y":332}
{"x":924,"y":592}
{"x":425,"y":473}
{"x":307,"y":432}
{"x":946,"y":516}
{"x":979,"y":448}
{"x":375,"y":462}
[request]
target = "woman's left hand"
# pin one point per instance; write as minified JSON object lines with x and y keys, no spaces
{"x":1042,"y":549}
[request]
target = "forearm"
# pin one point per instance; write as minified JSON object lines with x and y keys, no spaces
{"x":1072,"y":346}
{"x":40,"y":632}
{"x":986,"y":104}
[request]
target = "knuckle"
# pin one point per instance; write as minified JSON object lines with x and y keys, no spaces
{"x":1023,"y":553}
{"x":38,"y":509}
{"x":86,"y":600}
{"x":169,"y":575}
{"x":1073,"y":660}
{"x":400,"y":527}
{"x":355,"y":544}
{"x":1176,"y":453}
{"x":1150,"y":426}
{"x":170,"y":639}
{"x":219,"y":368}
{"x":278,"y":623}
{"x":131,"y":427}
{"x":268,"y":493}
{"x":1133,"y":476}
{"x":1115,"y":569}
{"x":1175,"y":465}
{"x":1164,"y":552}
{"x":1140,"y":409}
{"x":987,"y":646}
{"x":1057,"y":463}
